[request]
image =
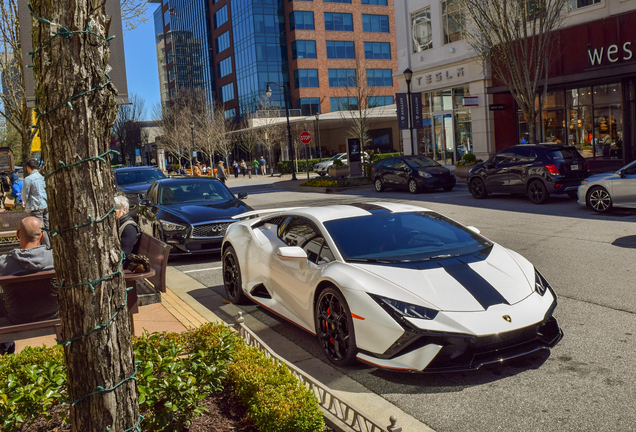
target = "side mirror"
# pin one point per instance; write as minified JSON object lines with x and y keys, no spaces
{"x":145,"y":203}
{"x":293,"y":254}
{"x":242,"y":195}
{"x":621,"y":173}
{"x":472,"y":228}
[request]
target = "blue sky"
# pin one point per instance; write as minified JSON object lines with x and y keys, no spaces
{"x":141,"y":62}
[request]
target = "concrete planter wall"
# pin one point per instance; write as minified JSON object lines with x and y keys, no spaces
{"x":341,"y":171}
{"x":461,"y":171}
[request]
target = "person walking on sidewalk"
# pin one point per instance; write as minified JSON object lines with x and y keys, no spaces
{"x":221,"y":172}
{"x":197,"y":170}
{"x":237,"y":170}
{"x":34,"y":196}
{"x":256,"y":164}
{"x":263,"y":164}
{"x":243,"y":167}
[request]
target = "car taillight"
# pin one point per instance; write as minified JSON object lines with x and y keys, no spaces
{"x":552,"y":169}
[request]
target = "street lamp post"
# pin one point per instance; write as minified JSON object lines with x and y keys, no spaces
{"x":408,"y":74}
{"x":192,"y":157}
{"x":268,"y":92}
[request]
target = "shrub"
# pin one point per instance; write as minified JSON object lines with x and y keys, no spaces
{"x":469,"y":158}
{"x":323,"y":182}
{"x":276,"y":400}
{"x":284,"y":167}
{"x":338,"y":163}
{"x":31,"y":383}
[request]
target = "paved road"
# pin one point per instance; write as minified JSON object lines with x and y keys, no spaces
{"x":584,"y":384}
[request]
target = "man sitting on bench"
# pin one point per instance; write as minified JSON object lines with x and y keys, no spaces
{"x":30,"y":258}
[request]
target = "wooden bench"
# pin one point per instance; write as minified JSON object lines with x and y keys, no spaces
{"x":40,"y":318}
{"x":149,"y":289}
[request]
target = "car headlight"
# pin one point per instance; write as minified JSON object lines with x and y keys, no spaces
{"x":171,"y":226}
{"x":541,"y":285}
{"x":402,"y":309}
{"x":424,"y":174}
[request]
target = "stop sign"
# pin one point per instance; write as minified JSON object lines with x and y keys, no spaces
{"x":305,"y":137}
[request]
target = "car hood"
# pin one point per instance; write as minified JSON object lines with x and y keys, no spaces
{"x":135,"y":188}
{"x":468,"y":283}
{"x":602,"y":176}
{"x":198,"y":212}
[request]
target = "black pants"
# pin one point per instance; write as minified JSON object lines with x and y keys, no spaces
{"x":222,"y":179}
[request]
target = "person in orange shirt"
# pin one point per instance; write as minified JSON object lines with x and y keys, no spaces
{"x":197,"y":170}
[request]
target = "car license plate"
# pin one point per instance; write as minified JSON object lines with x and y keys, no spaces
{"x":574,"y":167}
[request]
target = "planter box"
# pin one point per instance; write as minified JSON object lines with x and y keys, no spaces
{"x":461,"y":171}
{"x":341,"y":171}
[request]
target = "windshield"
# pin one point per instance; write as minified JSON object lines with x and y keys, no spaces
{"x":194,"y":191}
{"x":142,"y":176}
{"x":336,"y":156}
{"x":402,"y":237}
{"x":421,"y":162}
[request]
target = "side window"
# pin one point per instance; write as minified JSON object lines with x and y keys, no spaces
{"x":400,"y":165}
{"x":391,"y":163}
{"x":297,"y":232}
{"x":525,"y":154}
{"x":325,"y":256}
{"x":318,"y":251}
{"x":506,"y":156}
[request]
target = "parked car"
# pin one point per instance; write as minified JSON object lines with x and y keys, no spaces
{"x":133,"y":182}
{"x":190,"y":214}
{"x":607,"y":190}
{"x":322,"y":168}
{"x":414,"y":173}
{"x":537,"y":170}
{"x":393,"y":285}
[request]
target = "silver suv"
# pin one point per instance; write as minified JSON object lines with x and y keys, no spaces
{"x":322,"y":168}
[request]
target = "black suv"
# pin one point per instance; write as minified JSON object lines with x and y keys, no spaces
{"x":134,"y":182}
{"x":537,"y":170}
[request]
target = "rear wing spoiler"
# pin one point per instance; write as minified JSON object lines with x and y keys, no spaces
{"x":258,"y":213}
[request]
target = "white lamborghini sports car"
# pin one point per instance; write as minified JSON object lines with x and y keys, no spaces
{"x":394,"y":285}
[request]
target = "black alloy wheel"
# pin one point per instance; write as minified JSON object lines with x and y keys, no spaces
{"x":334,"y":327}
{"x":537,"y":192}
{"x":322,"y":174}
{"x":379,"y":186}
{"x":413,"y":187}
{"x":599,"y":199}
{"x":232,"y":277}
{"x":478,"y":188}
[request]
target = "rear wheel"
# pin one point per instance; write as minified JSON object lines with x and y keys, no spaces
{"x":478,"y":188}
{"x":379,"y":186}
{"x":413,"y":187}
{"x":537,"y":192}
{"x":599,"y":199}
{"x":322,"y":174}
{"x":232,"y":277}
{"x":334,"y":327}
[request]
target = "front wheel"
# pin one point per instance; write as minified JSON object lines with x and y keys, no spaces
{"x":232,"y":277}
{"x":334,"y":327}
{"x":379,"y":186}
{"x":413,"y":187}
{"x":322,"y":174}
{"x":599,"y":199}
{"x":478,"y":188}
{"x":537,"y":192}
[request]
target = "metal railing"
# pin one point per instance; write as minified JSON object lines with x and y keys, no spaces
{"x":344,"y":411}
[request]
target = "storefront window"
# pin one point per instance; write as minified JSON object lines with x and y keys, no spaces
{"x":458,"y":94}
{"x":580,"y":96}
{"x":580,"y":129}
{"x":426,"y":137}
{"x":607,"y":94}
{"x":421,"y":33}
{"x":464,"y":133}
{"x":553,"y":122}
{"x":442,"y":100}
{"x":554,"y":99}
{"x":608,"y":131}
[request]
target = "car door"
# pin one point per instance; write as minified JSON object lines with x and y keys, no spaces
{"x":498,"y":171}
{"x":291,"y":280}
{"x":402,"y":174}
{"x":624,"y":188}
{"x":390,"y":176}
{"x":518,"y":169}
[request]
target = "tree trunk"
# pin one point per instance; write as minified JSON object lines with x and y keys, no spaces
{"x":27,"y":137}
{"x":104,"y":358}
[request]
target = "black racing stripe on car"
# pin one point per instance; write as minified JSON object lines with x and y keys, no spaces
{"x":370,"y":207}
{"x":486,"y":294}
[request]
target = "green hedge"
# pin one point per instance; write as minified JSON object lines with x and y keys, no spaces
{"x":176,"y":372}
{"x":284,"y":167}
